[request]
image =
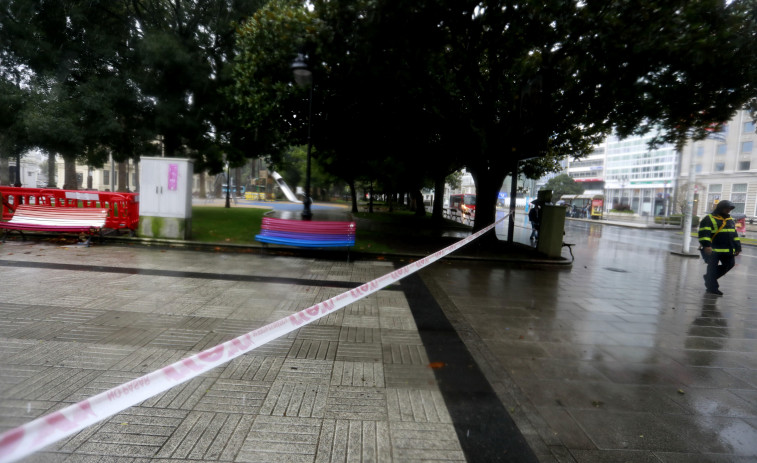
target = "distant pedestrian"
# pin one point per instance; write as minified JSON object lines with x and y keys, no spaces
{"x":720,"y":244}
{"x":534,"y":218}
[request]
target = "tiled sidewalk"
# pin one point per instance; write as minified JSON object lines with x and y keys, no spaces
{"x":624,"y":357}
{"x":354,"y":386}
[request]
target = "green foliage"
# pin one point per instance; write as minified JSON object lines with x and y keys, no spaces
{"x":488,"y":84}
{"x":539,"y":167}
{"x":114,"y":76}
{"x":13,"y":137}
{"x":454,"y":180}
{"x":269,"y":104}
{"x":404,"y":92}
{"x":563,"y":184}
{"x":677,"y":219}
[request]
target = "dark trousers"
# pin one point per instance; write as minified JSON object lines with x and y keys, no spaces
{"x":718,"y":264}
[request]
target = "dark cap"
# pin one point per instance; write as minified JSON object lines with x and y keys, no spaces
{"x":725,"y":205}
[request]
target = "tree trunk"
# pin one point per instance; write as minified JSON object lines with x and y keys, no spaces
{"x":437,"y":210}
{"x":488,"y":182}
{"x":370,"y":198}
{"x":420,"y":208}
{"x":51,"y":181}
{"x":69,"y":173}
{"x":4,"y":171}
{"x":123,"y":179}
{"x":203,"y":190}
{"x":353,"y":195}
{"x":237,"y":176}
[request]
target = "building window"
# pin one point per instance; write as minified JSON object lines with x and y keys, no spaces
{"x":719,"y":166}
{"x":713,"y":196}
{"x":698,"y":168}
{"x":745,"y":165}
{"x":700,"y":150}
{"x":746,"y":147}
{"x":738,"y":197}
{"x":106,"y":177}
{"x":722,"y":148}
{"x":749,"y":127}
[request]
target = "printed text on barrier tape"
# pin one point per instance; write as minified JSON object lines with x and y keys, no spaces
{"x":26,"y":439}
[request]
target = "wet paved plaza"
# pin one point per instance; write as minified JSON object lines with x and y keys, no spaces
{"x":620,"y":358}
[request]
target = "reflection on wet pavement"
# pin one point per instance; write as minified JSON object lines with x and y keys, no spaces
{"x":623,"y":357}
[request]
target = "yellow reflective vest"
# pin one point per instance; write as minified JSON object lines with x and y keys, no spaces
{"x":719,"y":233}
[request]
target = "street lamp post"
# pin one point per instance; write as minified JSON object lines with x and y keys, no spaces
{"x":303,"y":76}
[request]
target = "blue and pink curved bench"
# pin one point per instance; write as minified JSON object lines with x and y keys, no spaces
{"x":307,"y":233}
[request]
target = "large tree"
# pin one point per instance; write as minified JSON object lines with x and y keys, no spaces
{"x":75,"y":58}
{"x":563,"y":184}
{"x":552,"y":78}
{"x":366,"y":125}
{"x":117,"y":75}
{"x":500,"y":82}
{"x":185,"y":49}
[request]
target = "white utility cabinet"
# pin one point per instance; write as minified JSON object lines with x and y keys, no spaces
{"x":165,"y":209}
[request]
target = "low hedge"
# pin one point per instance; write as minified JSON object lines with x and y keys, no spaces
{"x":676,"y":219}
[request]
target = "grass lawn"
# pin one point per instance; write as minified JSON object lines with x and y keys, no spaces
{"x":380,"y":232}
{"x":235,"y":225}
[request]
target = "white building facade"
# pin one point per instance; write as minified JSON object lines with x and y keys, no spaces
{"x":655,"y":182}
{"x":724,"y":167}
{"x":638,"y":178}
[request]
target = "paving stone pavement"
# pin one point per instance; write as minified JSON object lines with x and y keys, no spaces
{"x":620,"y":358}
{"x":353,"y":386}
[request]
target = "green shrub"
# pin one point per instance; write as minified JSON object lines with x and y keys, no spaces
{"x":676,"y":219}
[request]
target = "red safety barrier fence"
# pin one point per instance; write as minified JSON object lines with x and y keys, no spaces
{"x":123,"y":208}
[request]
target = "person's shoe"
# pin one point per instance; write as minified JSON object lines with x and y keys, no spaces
{"x":715,"y":291}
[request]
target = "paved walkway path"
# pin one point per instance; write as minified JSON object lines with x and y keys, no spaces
{"x":621,"y":358}
{"x":357,"y":385}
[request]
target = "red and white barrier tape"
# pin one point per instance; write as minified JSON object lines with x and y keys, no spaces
{"x":27,"y":439}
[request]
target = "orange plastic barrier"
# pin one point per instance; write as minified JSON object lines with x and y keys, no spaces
{"x":123,"y":208}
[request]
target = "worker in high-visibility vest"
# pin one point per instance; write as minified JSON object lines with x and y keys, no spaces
{"x":720,"y":244}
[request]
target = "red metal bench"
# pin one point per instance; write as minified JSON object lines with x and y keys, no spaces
{"x":86,"y":220}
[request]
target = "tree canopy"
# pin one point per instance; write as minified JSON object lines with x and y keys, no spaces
{"x":122,"y":77}
{"x":563,"y":184}
{"x":406,"y":87}
{"x":404,"y":92}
